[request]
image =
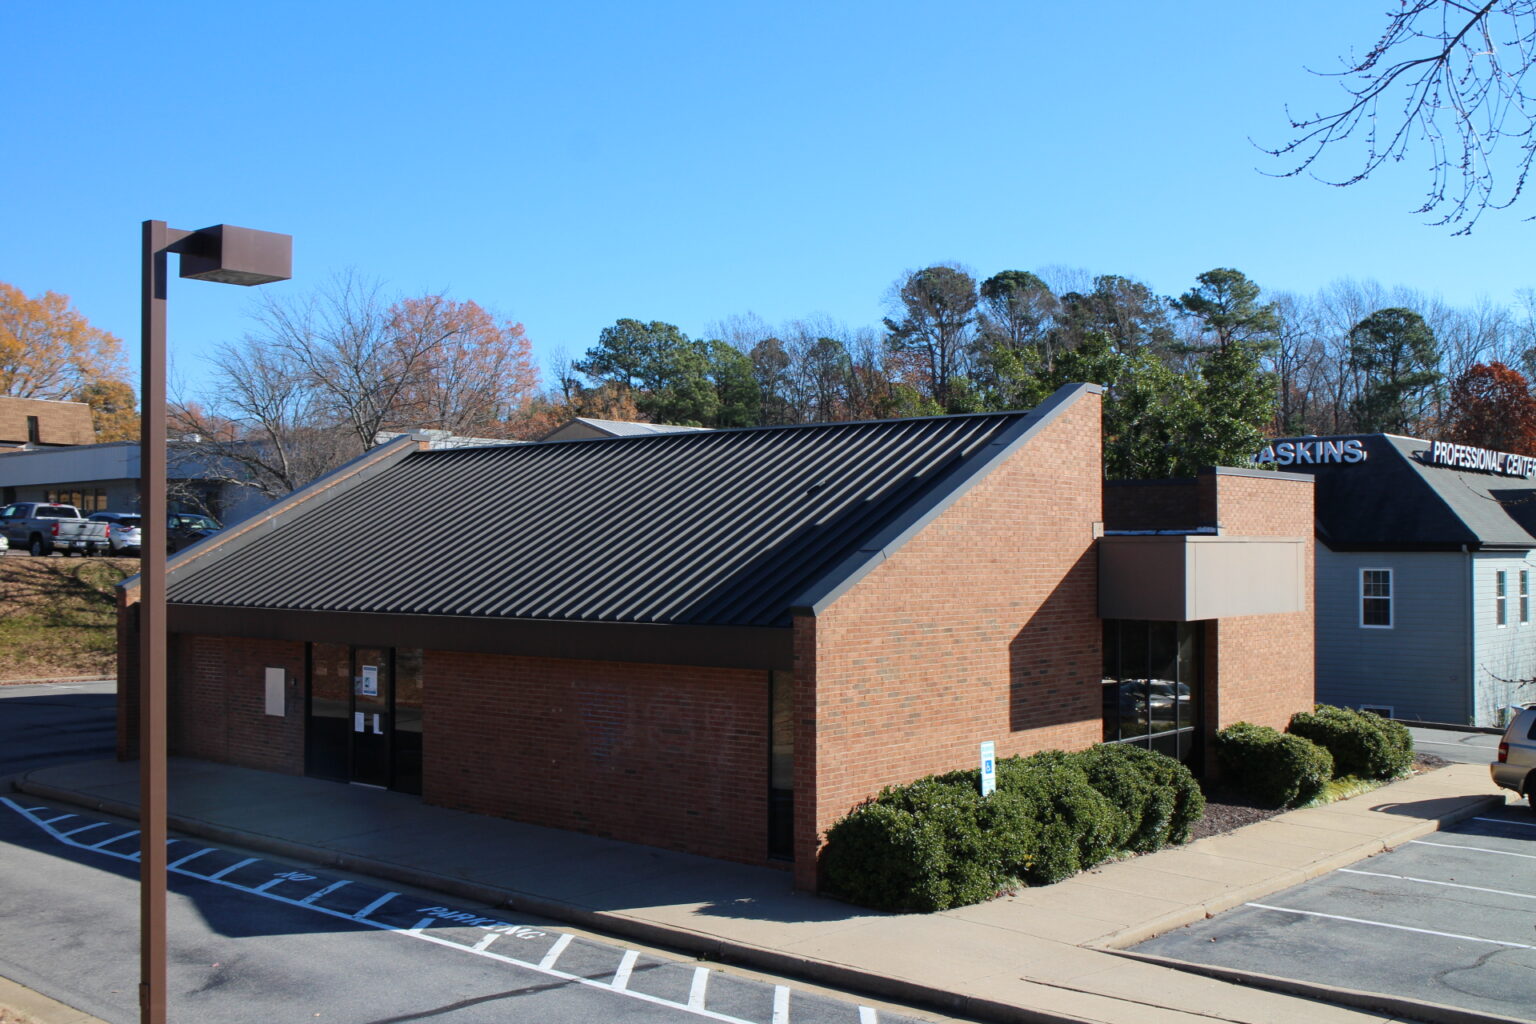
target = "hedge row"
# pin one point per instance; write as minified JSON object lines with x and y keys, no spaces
{"x":937,"y":843}
{"x":1325,"y":743}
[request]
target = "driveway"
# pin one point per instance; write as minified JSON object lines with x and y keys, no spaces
{"x":1449,"y":918}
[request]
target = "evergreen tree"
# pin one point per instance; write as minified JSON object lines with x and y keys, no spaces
{"x":1395,"y":355}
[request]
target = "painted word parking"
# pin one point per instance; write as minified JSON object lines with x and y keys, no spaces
{"x":1445,"y":919}
{"x":669,"y":986}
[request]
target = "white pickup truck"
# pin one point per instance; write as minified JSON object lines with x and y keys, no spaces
{"x":43,"y":528}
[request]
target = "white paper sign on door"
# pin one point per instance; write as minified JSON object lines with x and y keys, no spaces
{"x":368,"y":682}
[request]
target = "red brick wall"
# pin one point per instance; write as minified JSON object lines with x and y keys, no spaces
{"x":218,"y":702}
{"x":671,"y":756}
{"x":1263,"y":662}
{"x":983,"y":626}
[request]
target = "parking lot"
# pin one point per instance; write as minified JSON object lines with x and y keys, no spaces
{"x":1449,"y":918}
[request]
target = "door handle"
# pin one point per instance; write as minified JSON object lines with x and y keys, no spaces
{"x":376,"y":730}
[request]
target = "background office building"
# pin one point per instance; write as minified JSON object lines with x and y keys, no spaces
{"x":1424,"y":575}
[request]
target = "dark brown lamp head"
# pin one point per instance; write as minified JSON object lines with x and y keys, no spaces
{"x":231,"y":255}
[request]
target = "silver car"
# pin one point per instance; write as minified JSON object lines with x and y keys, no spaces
{"x":122,"y":531}
{"x":1516,"y":767}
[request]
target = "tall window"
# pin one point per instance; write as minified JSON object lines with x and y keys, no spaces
{"x":1501,"y":597}
{"x":1151,"y":686}
{"x":1525,"y":597}
{"x":34,"y":436}
{"x":1376,"y":598}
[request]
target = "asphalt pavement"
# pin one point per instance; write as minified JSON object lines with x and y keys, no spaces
{"x":56,"y":723}
{"x":1445,"y":919}
{"x":258,"y":938}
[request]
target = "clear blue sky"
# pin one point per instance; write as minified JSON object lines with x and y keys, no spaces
{"x":570,"y":164}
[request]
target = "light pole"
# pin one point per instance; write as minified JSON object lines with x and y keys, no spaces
{"x":229,"y":255}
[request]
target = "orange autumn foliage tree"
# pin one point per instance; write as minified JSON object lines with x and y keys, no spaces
{"x":49,"y":350}
{"x":1491,"y":406}
{"x":478,"y":374}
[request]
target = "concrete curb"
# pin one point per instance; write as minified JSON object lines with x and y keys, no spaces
{"x":1237,"y":897}
{"x":1360,"y":999}
{"x":38,"y":1008}
{"x":853,"y":979}
{"x":684,"y":940}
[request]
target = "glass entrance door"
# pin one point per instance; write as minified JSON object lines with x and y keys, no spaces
{"x":372,"y":682}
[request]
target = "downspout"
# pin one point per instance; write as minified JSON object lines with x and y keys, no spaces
{"x":1471,"y":604}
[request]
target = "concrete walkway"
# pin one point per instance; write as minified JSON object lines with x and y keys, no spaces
{"x":1044,"y":954}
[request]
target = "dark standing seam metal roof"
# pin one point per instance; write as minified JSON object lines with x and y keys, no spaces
{"x":709,"y":528}
{"x":1397,"y":499}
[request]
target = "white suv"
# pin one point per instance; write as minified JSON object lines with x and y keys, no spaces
{"x":1516,"y":767}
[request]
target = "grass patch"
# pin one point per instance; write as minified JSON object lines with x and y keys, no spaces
{"x":1343,"y":788}
{"x":58,"y":616}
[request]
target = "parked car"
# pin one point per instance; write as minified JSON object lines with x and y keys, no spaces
{"x":1516,"y":767}
{"x":187,"y":528}
{"x":122,"y":531}
{"x":43,"y":527}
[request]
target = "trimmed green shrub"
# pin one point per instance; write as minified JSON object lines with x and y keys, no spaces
{"x":1159,"y":795}
{"x":1076,"y":826}
{"x":1362,"y":744}
{"x":919,"y":847}
{"x":1274,"y":767}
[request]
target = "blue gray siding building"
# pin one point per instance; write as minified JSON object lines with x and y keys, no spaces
{"x":1426,"y":578}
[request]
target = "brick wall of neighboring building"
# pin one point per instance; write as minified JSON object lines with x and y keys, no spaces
{"x":57,"y":422}
{"x":981,"y":627}
{"x":667,"y":755}
{"x":1263,"y":662}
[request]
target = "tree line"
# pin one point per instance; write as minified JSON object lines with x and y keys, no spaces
{"x":1196,"y":379}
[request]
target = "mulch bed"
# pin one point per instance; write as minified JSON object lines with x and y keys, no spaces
{"x":1226,"y":811}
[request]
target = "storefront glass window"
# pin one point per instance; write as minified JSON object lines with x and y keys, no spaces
{"x":1152,"y":678}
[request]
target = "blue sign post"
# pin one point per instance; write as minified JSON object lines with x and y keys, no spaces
{"x":988,"y":768}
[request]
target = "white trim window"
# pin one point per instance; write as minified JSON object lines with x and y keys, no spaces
{"x":1525,"y":597}
{"x":1501,"y":598}
{"x":1375,"y":598}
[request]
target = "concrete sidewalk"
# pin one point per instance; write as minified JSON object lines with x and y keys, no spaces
{"x":1044,"y":954}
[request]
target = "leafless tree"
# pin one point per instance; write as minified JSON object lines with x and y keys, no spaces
{"x":1447,"y":75}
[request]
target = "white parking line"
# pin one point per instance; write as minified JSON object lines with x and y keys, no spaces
{"x":326,"y":891}
{"x":780,"y":1005}
{"x":1508,"y":821}
{"x":109,"y":842}
{"x":485,"y":942}
{"x":626,"y":965}
{"x":1394,"y":927}
{"x":375,"y":905}
{"x":1474,"y":849}
{"x":554,"y":952}
{"x":1431,"y":881}
{"x":545,"y":966}
{"x":867,"y":1015}
{"x":173,"y":865}
{"x":233,"y":867}
{"x":697,"y":992}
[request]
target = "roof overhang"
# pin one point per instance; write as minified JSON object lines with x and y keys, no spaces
{"x":749,"y":647}
{"x":1186,"y":578}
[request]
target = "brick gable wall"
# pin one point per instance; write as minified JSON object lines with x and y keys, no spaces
{"x":983,"y":626}
{"x":57,"y":422}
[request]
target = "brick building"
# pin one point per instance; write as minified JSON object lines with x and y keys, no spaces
{"x":36,"y":423}
{"x":722,"y":641}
